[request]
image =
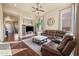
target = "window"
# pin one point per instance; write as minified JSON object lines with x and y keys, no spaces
{"x":66,"y":19}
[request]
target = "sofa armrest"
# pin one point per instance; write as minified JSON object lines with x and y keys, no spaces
{"x":47,"y":51}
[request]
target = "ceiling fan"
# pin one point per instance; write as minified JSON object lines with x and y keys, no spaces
{"x":38,"y":8}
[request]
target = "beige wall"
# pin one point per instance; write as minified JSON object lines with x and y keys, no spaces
{"x":55,"y":15}
{"x":1,"y":25}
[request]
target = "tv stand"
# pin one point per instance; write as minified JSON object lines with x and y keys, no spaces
{"x":28,"y":35}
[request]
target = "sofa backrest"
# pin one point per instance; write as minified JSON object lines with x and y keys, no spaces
{"x":54,"y":33}
{"x":67,"y":45}
{"x":69,"y":48}
{"x":64,"y":42}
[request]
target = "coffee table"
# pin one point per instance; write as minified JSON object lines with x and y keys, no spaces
{"x":39,"y":39}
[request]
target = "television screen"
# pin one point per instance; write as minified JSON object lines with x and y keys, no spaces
{"x":29,"y":28}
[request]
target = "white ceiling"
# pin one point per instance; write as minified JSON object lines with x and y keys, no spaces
{"x":26,"y":8}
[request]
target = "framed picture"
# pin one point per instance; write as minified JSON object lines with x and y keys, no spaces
{"x":50,"y":21}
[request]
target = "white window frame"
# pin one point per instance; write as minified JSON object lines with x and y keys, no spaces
{"x":72,"y":18}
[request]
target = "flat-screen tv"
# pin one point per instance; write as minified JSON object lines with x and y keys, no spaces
{"x":29,"y":28}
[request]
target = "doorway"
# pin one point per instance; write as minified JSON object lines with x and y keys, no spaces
{"x":11,"y":27}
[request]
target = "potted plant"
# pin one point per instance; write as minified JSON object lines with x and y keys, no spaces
{"x":38,"y":24}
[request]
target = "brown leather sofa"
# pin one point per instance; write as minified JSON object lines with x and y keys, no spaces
{"x":62,"y":49}
{"x":52,"y":34}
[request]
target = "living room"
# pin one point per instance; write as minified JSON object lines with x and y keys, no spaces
{"x":35,"y":29}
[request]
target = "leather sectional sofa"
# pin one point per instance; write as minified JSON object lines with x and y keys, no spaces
{"x":64,"y":48}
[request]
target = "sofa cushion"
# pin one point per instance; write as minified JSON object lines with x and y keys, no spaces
{"x":64,"y":42}
{"x":57,"y":40}
{"x":50,"y":49}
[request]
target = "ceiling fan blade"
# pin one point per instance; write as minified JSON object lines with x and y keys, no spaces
{"x":37,"y":8}
{"x":42,"y":10}
{"x":33,"y":7}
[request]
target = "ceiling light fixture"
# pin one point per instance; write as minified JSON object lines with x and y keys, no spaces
{"x":14,"y":4}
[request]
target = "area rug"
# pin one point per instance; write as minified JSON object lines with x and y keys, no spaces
{"x":34,"y":46}
{"x":18,"y":48}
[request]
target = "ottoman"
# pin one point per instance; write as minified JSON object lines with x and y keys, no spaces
{"x":39,"y":39}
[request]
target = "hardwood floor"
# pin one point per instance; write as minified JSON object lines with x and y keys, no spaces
{"x":9,"y":38}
